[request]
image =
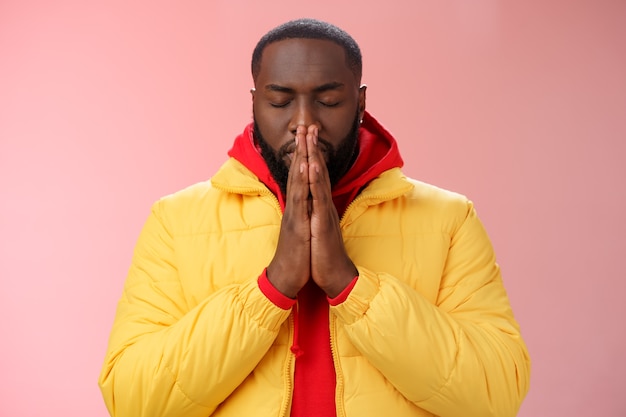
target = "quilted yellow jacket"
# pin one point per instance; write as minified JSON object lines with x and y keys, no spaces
{"x":426,"y":331}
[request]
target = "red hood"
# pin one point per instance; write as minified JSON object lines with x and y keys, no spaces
{"x":378,"y":152}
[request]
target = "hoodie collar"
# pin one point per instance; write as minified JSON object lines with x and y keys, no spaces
{"x":378,"y":152}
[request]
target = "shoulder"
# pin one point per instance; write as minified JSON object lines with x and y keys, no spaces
{"x":201,"y":194}
{"x":415,"y":192}
{"x":446,"y":207}
{"x":182,"y":211}
{"x":433,"y":195}
{"x":420,"y":203}
{"x":227,"y":201}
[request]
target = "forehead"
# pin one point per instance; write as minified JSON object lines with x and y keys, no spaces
{"x":303,"y":62}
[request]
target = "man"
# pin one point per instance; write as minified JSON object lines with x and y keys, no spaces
{"x":309,"y":277}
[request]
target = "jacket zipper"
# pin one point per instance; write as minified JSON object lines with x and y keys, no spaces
{"x":288,"y":370}
{"x":339,"y":403}
{"x":339,"y":393}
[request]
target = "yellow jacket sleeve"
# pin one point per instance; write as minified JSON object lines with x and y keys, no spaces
{"x":461,"y":356}
{"x":166,"y":359}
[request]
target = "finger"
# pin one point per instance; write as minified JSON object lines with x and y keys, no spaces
{"x":301,"y":147}
{"x":319,"y":181}
{"x":297,"y":183}
{"x":318,"y":172}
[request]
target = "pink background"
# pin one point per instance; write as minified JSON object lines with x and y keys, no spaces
{"x":105,"y":108}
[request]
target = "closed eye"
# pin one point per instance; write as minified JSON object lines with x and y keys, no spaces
{"x":329,"y":104}
{"x":280,"y":105}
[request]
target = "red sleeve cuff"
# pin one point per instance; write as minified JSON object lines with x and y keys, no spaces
{"x":275,"y":296}
{"x":343,"y":295}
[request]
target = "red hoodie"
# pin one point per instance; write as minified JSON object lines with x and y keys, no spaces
{"x":315,"y":379}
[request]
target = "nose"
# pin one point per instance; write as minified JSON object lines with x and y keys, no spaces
{"x":304,"y":114}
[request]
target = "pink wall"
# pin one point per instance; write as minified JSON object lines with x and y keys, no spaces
{"x":105,"y":108}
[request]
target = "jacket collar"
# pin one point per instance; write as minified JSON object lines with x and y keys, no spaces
{"x":234,"y":177}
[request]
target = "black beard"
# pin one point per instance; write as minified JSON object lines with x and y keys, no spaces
{"x":340,"y":158}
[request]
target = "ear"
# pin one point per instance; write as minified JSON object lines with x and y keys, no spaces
{"x":252,"y":91}
{"x":362,"y":90}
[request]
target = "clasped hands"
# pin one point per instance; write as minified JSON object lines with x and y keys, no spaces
{"x":310,"y":244}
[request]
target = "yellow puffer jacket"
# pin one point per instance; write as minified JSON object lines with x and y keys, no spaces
{"x":426,"y":331}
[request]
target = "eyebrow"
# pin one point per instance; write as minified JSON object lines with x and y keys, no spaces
{"x":319,"y":89}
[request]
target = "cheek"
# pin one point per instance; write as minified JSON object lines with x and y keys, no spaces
{"x":339,"y":124}
{"x":268,"y":127}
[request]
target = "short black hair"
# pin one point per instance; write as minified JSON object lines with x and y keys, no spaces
{"x":310,"y":29}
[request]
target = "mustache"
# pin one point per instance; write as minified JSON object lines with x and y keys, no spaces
{"x":325,"y":146}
